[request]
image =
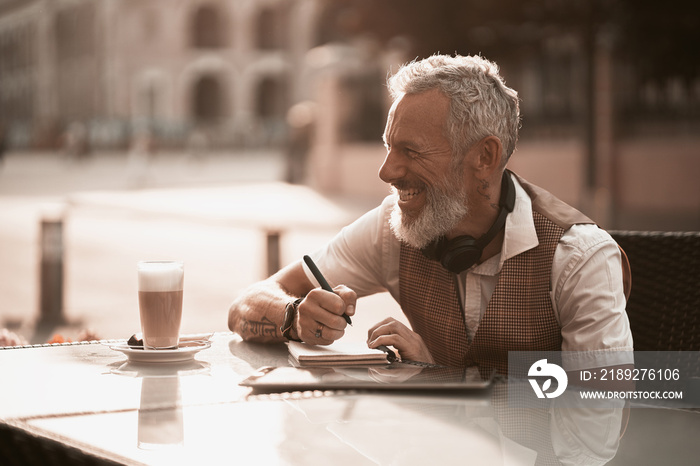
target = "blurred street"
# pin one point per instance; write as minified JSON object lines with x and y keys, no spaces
{"x":207,"y":212}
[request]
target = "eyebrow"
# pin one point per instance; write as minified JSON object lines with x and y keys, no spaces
{"x":413,"y":145}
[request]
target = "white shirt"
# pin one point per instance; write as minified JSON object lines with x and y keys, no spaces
{"x":587,"y":292}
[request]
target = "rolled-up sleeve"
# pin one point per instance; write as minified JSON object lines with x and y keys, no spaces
{"x":589,"y":297}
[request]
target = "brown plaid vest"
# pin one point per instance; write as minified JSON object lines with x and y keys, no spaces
{"x":519,"y":316}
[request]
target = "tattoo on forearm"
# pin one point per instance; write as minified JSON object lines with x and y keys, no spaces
{"x":265,"y":327}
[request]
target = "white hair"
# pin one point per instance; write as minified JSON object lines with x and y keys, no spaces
{"x":481,"y":104}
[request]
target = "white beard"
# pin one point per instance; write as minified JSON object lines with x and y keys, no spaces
{"x":445,"y":207}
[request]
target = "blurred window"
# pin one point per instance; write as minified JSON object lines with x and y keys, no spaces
{"x":271,"y":28}
{"x":208,"y":25}
{"x":271,"y":108}
{"x":271,"y":98}
{"x":208,"y":100}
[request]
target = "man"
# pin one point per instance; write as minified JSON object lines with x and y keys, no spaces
{"x":480,"y":261}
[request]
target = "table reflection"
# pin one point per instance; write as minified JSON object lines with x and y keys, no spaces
{"x":160,"y":426}
{"x":160,"y":418}
{"x":389,"y":429}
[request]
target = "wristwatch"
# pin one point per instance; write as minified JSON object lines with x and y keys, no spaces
{"x":290,"y":312}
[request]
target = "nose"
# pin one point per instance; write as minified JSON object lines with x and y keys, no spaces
{"x":393,"y":167}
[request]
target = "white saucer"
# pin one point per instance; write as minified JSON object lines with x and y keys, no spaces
{"x":154,"y":371}
{"x":184,"y":352}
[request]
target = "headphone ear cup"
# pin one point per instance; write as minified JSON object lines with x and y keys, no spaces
{"x":434,"y":250}
{"x":460,"y":254}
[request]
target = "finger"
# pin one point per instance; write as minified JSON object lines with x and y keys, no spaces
{"x":389,"y":326}
{"x":328,"y":300}
{"x":399,"y":343}
{"x":310,"y":326}
{"x":310,"y":317}
{"x":323,"y":307}
{"x":319,"y":334}
{"x":349,"y":297}
{"x":410,"y":345}
{"x":378,"y":325}
{"x":392,"y":339}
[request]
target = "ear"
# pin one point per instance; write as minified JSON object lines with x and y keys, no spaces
{"x":490,"y":150}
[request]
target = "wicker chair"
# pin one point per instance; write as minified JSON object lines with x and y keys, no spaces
{"x":664,"y":304}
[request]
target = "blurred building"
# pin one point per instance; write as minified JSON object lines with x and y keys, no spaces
{"x":228,"y":69}
{"x":610,"y":89}
{"x":610,"y":96}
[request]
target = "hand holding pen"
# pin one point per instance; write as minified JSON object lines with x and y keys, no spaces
{"x":322,"y":281}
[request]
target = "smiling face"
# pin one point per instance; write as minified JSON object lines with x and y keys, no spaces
{"x":429,"y":188}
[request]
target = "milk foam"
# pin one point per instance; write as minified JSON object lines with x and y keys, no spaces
{"x":161,"y":276}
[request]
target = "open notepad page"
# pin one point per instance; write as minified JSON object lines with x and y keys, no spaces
{"x":336,"y":354}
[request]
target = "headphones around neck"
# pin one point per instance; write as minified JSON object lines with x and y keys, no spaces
{"x":460,"y":253}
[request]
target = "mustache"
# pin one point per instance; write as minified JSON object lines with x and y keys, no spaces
{"x":403,"y":185}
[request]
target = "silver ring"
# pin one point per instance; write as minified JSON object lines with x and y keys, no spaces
{"x":319,"y":331}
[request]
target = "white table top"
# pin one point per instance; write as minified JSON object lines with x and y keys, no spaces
{"x":89,"y":397}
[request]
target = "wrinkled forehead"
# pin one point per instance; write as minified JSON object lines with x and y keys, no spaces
{"x":390,"y":117}
{"x":426,"y":110}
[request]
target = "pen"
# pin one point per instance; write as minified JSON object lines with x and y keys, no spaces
{"x":322,"y":281}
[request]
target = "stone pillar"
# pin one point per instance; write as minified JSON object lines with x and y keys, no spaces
{"x":51,"y":273}
{"x":604,"y":141}
{"x":600,"y":174}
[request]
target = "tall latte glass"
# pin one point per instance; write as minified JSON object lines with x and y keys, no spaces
{"x":160,"y":303}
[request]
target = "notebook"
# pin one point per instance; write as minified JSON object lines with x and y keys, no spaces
{"x":339,"y":353}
